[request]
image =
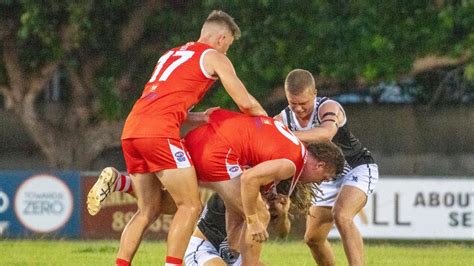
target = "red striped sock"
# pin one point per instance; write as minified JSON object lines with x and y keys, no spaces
{"x":172,"y":261}
{"x":121,"y":262}
{"x":123,"y":183}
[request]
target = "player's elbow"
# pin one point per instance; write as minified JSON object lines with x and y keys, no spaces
{"x":246,"y":107}
{"x":248,"y":180}
{"x":251,"y":106}
{"x":325,"y":137}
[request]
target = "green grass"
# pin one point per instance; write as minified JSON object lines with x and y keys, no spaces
{"x":62,"y":252}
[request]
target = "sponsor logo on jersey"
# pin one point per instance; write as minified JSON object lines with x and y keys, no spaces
{"x":234,"y":169}
{"x":180,"y":156}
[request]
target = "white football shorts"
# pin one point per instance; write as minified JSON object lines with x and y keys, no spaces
{"x":200,"y":251}
{"x":363,"y":177}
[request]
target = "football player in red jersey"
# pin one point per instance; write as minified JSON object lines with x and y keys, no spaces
{"x":153,"y":152}
{"x":229,"y":142}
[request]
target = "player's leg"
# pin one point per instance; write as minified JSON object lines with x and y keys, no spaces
{"x":215,"y":262}
{"x":182,"y":185}
{"x":167,"y":203}
{"x":349,"y":202}
{"x":110,"y":180}
{"x":123,"y":184}
{"x":201,"y":252}
{"x":318,"y":224}
{"x":230,"y":193}
{"x":148,"y":194}
{"x":358,"y":184}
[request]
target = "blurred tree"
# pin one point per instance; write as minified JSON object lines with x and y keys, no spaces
{"x":349,"y":43}
{"x":105,"y":50}
{"x":96,"y":46}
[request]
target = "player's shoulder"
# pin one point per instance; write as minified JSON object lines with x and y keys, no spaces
{"x":326,"y":102}
{"x":213,"y":55}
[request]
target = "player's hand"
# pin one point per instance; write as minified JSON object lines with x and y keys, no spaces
{"x":209,"y":111}
{"x":256,"y":231}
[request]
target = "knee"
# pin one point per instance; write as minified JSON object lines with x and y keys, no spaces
{"x":342,"y":218}
{"x":149,"y":215}
{"x":314,"y":240}
{"x":192,"y":208}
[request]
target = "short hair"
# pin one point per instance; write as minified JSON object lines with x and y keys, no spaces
{"x":328,"y":152}
{"x":299,"y":80}
{"x":222,"y":18}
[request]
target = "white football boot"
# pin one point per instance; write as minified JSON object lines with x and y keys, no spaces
{"x":102,"y":189}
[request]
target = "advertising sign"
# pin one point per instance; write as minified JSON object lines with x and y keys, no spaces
{"x":419,"y":208}
{"x":400,"y":208}
{"x":45,"y":203}
{"x":116,"y":212}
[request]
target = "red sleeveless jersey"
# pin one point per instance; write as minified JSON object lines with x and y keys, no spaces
{"x":178,"y":82}
{"x":258,"y":139}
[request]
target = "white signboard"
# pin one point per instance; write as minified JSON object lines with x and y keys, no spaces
{"x":419,"y":208}
{"x":43,"y":203}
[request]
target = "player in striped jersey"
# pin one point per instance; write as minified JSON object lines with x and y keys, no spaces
{"x":311,"y":119}
{"x":209,"y":244}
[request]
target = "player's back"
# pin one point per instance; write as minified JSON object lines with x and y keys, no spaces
{"x":178,"y":82}
{"x":257,"y":138}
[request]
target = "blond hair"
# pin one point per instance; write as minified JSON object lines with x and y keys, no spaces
{"x":298,"y":80}
{"x":223,"y":19}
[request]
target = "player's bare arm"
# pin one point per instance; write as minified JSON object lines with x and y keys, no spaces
{"x":217,"y":64}
{"x":331,"y":117}
{"x":196,"y":119}
{"x":251,"y":181}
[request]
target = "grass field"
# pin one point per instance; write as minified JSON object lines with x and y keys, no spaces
{"x":60,"y":252}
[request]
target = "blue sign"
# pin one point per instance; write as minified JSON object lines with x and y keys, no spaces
{"x":39,"y":203}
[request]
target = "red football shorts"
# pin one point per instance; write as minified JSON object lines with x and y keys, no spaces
{"x":213,"y":159}
{"x":150,"y":155}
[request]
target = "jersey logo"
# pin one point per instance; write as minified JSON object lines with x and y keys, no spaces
{"x":355,"y":178}
{"x":234,"y":168}
{"x":180,"y":156}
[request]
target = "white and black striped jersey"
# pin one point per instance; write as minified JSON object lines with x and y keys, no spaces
{"x":354,"y":153}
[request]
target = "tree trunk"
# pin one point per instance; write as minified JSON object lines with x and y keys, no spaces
{"x":75,"y":144}
{"x":83,"y":135}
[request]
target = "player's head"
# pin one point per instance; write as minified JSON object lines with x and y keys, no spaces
{"x":325,"y":161}
{"x":300,"y":90}
{"x":219,"y":31}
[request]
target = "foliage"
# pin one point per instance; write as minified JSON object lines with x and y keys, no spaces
{"x":337,"y":40}
{"x":106,"y":50}
{"x":345,"y":40}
